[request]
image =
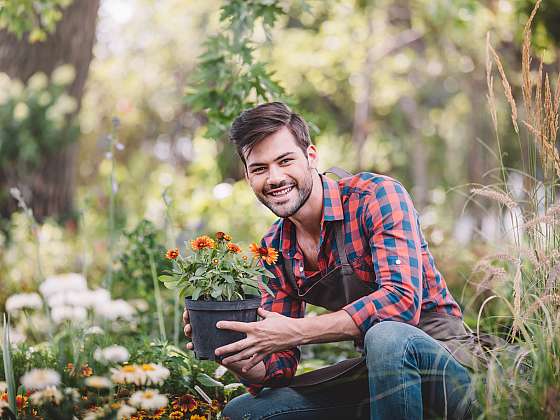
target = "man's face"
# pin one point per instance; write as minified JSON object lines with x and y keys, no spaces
{"x":280,"y":174}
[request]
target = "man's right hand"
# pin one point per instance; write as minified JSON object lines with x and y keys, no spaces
{"x":187,"y":329}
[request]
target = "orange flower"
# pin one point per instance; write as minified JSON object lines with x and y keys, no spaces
{"x":220,"y":235}
{"x":197,"y":417}
{"x":202,"y":242}
{"x":270,"y":255}
{"x":227,"y":237}
{"x":233,"y":248}
{"x":21,"y":401}
{"x":172,"y":253}
{"x":176,"y":415}
{"x":185,"y":403}
{"x":86,"y":371}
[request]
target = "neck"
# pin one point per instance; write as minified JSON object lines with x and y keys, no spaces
{"x":308,"y":218}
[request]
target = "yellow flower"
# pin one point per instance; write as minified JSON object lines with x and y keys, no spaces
{"x":203,"y":242}
{"x":197,"y":417}
{"x":176,"y":415}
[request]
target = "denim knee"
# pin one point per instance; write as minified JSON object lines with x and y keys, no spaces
{"x":239,"y":407}
{"x":388,"y":339}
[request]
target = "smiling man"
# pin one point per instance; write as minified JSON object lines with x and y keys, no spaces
{"x":355,"y":247}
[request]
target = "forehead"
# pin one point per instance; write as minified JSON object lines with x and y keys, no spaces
{"x":277,"y":144}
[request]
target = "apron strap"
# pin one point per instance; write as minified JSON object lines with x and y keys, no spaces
{"x":339,"y":172}
{"x":339,"y":237}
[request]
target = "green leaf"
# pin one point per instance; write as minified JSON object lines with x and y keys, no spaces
{"x":200,"y":271}
{"x":208,"y":381}
{"x":196,"y":293}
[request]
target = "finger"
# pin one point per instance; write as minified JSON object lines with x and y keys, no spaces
{"x":263,"y":313}
{"x":187,"y":330}
{"x":243,"y":327}
{"x":242,"y":355}
{"x":234,"y":347}
{"x":189,"y":346}
{"x":185,"y":316}
{"x":254,"y":361}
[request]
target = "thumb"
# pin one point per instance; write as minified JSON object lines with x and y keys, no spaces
{"x":263,"y":313}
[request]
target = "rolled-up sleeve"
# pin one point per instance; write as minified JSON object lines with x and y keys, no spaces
{"x":391,"y":223}
{"x":280,"y":366}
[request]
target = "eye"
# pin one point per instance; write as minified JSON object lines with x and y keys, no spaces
{"x":258,"y":170}
{"x":285,"y":161}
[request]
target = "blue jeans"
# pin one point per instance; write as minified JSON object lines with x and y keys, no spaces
{"x":409,"y":376}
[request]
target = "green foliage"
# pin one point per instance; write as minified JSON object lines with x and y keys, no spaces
{"x":229,"y":78}
{"x":134,"y":278}
{"x":215,"y":271}
{"x":35,"y":119}
{"x":36,"y":17}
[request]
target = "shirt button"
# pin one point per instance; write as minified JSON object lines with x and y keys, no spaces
{"x":398,"y":262}
{"x":300,"y":268}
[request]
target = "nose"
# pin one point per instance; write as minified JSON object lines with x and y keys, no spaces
{"x":275,"y":175}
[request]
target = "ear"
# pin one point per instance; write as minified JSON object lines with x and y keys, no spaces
{"x":312,"y":156}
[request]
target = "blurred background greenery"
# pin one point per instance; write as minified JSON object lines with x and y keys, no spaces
{"x":114,"y":117}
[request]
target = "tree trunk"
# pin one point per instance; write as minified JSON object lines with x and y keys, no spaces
{"x":50,"y":189}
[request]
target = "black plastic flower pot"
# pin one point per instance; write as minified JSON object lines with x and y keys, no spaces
{"x":203,"y":316}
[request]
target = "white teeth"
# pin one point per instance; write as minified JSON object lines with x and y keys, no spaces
{"x":282,"y":192}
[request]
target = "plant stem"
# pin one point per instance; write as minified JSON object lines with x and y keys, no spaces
{"x":158,"y":298}
{"x":8,"y":368}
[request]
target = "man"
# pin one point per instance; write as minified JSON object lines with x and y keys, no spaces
{"x":353,"y":246}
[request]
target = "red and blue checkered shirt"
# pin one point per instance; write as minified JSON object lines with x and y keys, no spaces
{"x":384,"y":245}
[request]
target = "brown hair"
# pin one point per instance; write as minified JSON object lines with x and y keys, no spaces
{"x":254,"y":124}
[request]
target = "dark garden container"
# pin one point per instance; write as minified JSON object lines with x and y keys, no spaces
{"x":203,"y":316}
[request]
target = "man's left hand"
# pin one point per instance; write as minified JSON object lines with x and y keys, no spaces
{"x":275,"y":332}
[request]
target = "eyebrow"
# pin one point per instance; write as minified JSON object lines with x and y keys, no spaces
{"x":282,"y":156}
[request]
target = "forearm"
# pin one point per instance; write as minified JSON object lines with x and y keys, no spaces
{"x":336,"y":326}
{"x":256,"y":375}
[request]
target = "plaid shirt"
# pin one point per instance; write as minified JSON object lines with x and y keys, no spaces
{"x":384,"y":245}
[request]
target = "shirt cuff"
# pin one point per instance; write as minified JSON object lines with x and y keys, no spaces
{"x":363,"y":313}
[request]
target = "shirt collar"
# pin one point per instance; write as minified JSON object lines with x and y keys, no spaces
{"x":332,"y":210}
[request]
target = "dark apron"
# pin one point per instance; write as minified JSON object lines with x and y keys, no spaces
{"x":341,"y":286}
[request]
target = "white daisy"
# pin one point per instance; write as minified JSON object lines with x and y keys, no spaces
{"x":3,"y":387}
{"x":60,"y":314}
{"x":125,"y":412}
{"x":62,"y":283}
{"x":156,"y":374}
{"x":128,"y":374}
{"x":95,"y":414}
{"x":37,"y":379}
{"x":115,"y":309}
{"x":48,"y":395}
{"x":149,"y":399}
{"x":23,"y":301}
{"x":95,"y":329}
{"x":98,"y":382}
{"x":112,"y":354}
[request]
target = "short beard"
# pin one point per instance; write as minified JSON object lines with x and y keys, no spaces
{"x":303,"y":195}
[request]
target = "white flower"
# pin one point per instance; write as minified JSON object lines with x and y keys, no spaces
{"x":95,"y":329}
{"x":115,"y":309}
{"x":63,"y":75}
{"x":3,"y":387}
{"x":40,"y":379}
{"x":156,"y":374}
{"x":16,"y":337}
{"x":220,"y":371}
{"x":95,"y":414}
{"x":21,"y":111}
{"x":48,"y":395}
{"x":125,"y":411}
{"x":38,"y":81}
{"x":22,"y":301}
{"x":98,"y":382}
{"x":72,"y":393}
{"x":62,"y":283}
{"x":150,"y":399}
{"x":60,"y":314}
{"x":129,"y":374}
{"x":112,"y":354}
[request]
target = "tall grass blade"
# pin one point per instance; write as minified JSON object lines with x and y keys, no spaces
{"x":8,"y":368}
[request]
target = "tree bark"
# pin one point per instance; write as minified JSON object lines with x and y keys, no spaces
{"x":50,"y":189}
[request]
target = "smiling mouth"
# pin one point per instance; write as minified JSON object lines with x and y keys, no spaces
{"x":281,"y":192}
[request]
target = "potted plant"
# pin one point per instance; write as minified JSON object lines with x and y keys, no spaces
{"x":218,"y":283}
